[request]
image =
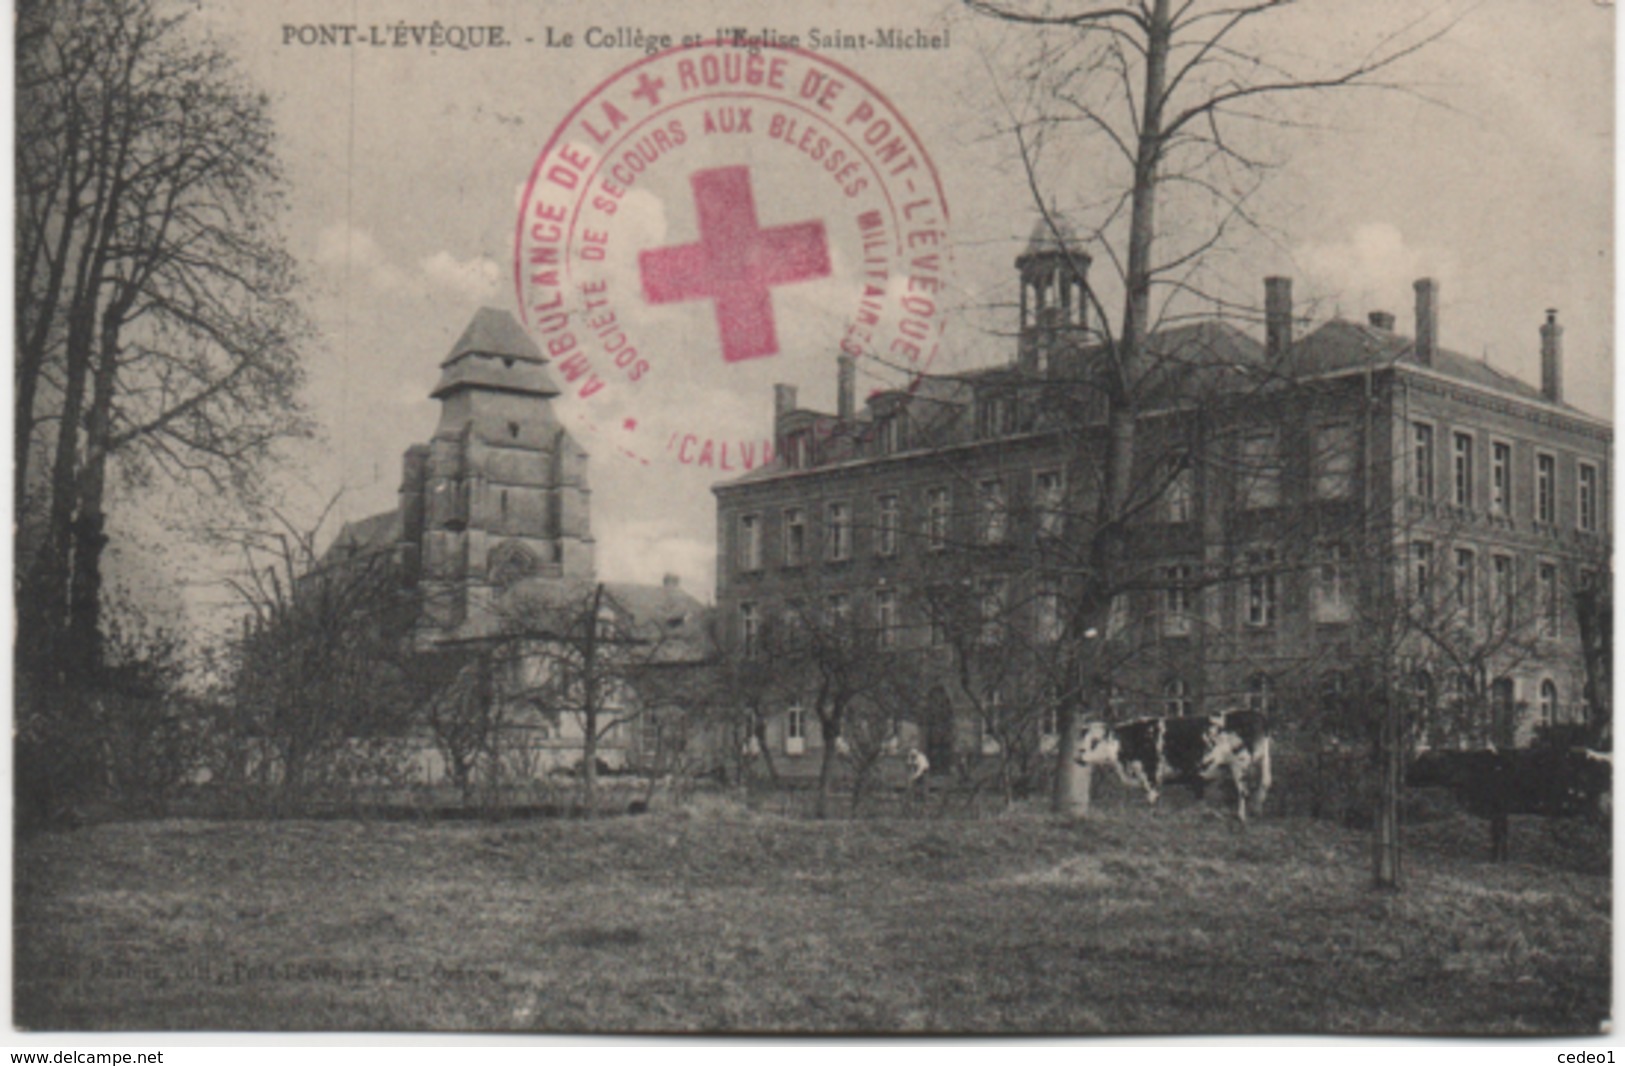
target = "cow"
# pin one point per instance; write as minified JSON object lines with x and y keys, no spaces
{"x":1494,"y":784}
{"x":1150,"y":753}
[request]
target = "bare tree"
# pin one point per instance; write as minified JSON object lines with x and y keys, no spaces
{"x":319,"y":667}
{"x":155,"y":321}
{"x":575,"y":650}
{"x":1162,"y":87}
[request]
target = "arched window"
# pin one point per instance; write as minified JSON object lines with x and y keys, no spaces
{"x":1176,"y":696}
{"x":1548,"y":703}
{"x":1260,"y":693}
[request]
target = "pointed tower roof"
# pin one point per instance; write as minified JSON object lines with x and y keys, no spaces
{"x":494,"y":332}
{"x":1051,"y":236}
{"x":495,"y":353}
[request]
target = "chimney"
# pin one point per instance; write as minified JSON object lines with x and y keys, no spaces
{"x":845,"y":386}
{"x":670,"y":582}
{"x":1277,"y":318}
{"x":784,"y":400}
{"x":1427,"y":320}
{"x":1383,"y":320}
{"x":1551,"y":358}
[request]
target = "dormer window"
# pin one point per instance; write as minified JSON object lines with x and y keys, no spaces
{"x":889,"y":434}
{"x":798,"y":450}
{"x":995,"y":415}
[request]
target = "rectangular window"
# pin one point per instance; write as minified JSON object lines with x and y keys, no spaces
{"x":1176,"y":600}
{"x":1463,"y":467}
{"x":1049,"y":501}
{"x":795,"y":537}
{"x":1422,"y":466}
{"x":1333,"y":602}
{"x":990,"y":609}
{"x":1546,"y":488}
{"x":1261,"y":588}
{"x":888,"y":434}
{"x":1588,"y":497}
{"x":886,"y":618}
{"x":1551,"y":608}
{"x":1260,"y":470}
{"x":991,"y":513}
{"x":1501,"y":478}
{"x":937,"y":606}
{"x":1333,"y":460}
{"x":1466,"y":586}
{"x":1179,"y":497}
{"x":1503,"y":591}
{"x":1421,"y":570}
{"x":750,"y":542}
{"x":837,"y":609}
{"x":936,"y":519}
{"x":798,"y":450}
{"x":995,"y":415}
{"x":888,"y":514}
{"x":795,"y":730}
{"x":1047,"y":614}
{"x":837,"y":532}
{"x":749,"y":637}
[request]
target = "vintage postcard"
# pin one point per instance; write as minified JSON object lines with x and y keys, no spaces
{"x":983,"y":517}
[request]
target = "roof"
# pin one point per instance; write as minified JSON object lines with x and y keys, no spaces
{"x":664,"y":617}
{"x":1340,"y":344}
{"x":375,"y":533}
{"x":494,"y":353}
{"x":494,"y":332}
{"x":1051,"y":234}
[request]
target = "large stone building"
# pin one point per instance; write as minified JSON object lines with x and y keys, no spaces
{"x":1305,"y":512}
{"x":492,"y":535}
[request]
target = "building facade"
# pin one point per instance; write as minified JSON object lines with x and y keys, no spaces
{"x":1304,"y":513}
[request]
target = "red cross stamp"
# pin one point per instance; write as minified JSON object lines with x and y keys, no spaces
{"x":714,"y":220}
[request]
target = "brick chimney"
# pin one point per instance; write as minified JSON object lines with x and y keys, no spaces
{"x":1427,"y":320}
{"x":846,"y":382}
{"x":1277,"y":318}
{"x":784,"y":400}
{"x":1551,"y":358}
{"x":1383,"y":320}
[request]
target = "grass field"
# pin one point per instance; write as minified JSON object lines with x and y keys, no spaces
{"x":717,"y":918}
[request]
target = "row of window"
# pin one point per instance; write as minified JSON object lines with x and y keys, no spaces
{"x":993,"y":524}
{"x":1467,"y":601}
{"x":1464,"y":490}
{"x":1176,"y":604}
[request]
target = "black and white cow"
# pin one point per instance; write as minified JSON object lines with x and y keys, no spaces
{"x":1494,"y":784}
{"x":1151,"y":753}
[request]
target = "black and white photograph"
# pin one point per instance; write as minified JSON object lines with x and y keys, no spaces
{"x":1020,"y":518}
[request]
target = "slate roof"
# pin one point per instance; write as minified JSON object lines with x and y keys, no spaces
{"x":495,"y":353}
{"x":1340,"y":344}
{"x":668,"y":620}
{"x":495,"y":332}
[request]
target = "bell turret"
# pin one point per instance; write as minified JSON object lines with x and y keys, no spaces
{"x":1054,"y":272}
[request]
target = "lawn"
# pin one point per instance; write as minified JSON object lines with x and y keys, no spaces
{"x":720,"y":918}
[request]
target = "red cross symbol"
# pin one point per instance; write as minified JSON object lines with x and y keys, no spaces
{"x":649,"y":88}
{"x":735,"y":263}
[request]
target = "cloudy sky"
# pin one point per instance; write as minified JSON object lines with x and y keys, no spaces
{"x":1492,"y":171}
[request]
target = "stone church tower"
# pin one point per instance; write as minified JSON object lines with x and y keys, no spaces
{"x":500,"y":493}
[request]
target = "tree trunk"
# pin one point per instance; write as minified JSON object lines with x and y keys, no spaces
{"x":759,"y":731}
{"x":1072,"y":781}
{"x":1385,"y":831}
{"x":84,"y":648}
{"x":831,"y":731}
